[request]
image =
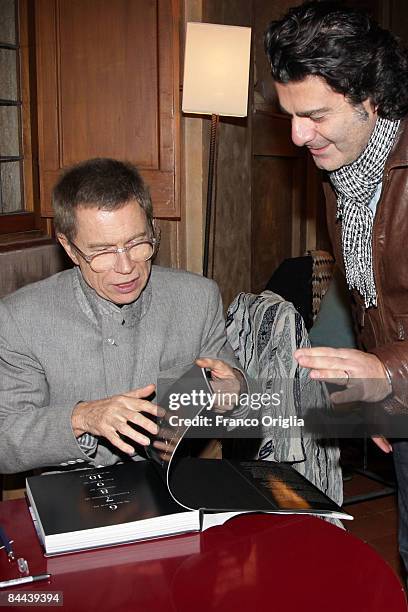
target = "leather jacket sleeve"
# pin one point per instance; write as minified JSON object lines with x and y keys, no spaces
{"x":394,"y":357}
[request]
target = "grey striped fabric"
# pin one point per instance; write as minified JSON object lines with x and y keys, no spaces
{"x":264,"y":331}
{"x":88,"y":443}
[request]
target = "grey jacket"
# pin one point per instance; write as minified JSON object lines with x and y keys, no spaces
{"x":60,"y":343}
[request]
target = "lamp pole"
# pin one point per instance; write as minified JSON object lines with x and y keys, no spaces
{"x":212,"y":162}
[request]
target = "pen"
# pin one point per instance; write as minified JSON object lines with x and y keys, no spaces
{"x":17,"y":581}
{"x":6,"y":542}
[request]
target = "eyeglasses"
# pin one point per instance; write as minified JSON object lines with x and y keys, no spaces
{"x":106,"y":260}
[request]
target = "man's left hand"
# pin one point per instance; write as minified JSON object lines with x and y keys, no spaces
{"x":363,"y":374}
{"x":225,"y":381}
{"x":341,"y":366}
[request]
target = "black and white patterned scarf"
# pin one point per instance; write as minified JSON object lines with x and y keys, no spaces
{"x":355,"y":185}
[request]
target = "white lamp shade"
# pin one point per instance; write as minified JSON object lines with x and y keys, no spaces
{"x":216,"y":69}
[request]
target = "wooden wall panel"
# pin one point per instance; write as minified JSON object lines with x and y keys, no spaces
{"x":169,"y":253}
{"x":192,"y":196}
{"x":108,"y":85}
{"x":272,"y":215}
{"x":108,"y":89}
{"x":21,"y":267}
{"x":399,"y":19}
{"x":231,"y":262}
{"x":265,"y":11}
{"x":271,"y":135}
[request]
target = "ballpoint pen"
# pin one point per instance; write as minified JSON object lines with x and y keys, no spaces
{"x":6,"y":543}
{"x":4,"y":584}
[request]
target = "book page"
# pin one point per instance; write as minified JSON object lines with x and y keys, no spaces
{"x":184,"y":399}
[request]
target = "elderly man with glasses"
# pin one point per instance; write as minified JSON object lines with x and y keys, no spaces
{"x":81,"y":351}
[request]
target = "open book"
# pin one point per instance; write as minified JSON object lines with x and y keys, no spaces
{"x":166,"y":494}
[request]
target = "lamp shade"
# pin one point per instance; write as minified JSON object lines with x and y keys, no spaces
{"x":216,"y":69}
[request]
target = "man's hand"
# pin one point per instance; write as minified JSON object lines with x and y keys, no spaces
{"x":382,"y":443}
{"x":341,"y":366}
{"x":225,"y":381}
{"x":110,"y":417}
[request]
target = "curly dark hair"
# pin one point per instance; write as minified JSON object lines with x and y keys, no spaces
{"x":347,"y":48}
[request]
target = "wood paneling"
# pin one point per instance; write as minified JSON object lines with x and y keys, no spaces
{"x":169,"y":251}
{"x":105,"y":89}
{"x":21,"y":267}
{"x":231,"y":262}
{"x":265,"y":11}
{"x":29,"y":124}
{"x":399,"y":19}
{"x":271,"y":135}
{"x":108,"y":87}
{"x":274,"y":208}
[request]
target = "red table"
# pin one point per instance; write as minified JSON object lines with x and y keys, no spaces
{"x":254,"y":562}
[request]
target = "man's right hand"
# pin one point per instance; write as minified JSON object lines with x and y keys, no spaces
{"x":110,"y":417}
{"x":382,"y":443}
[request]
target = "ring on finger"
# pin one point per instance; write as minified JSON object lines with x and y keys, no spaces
{"x":347,"y":377}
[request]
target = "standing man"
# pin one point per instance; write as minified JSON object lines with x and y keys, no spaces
{"x":344,"y":82}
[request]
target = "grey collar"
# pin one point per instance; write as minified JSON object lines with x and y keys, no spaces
{"x":96,"y":307}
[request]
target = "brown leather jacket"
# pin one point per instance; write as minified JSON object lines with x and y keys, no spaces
{"x":384,"y":330}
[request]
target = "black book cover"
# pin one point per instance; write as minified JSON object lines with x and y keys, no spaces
{"x":88,"y":499}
